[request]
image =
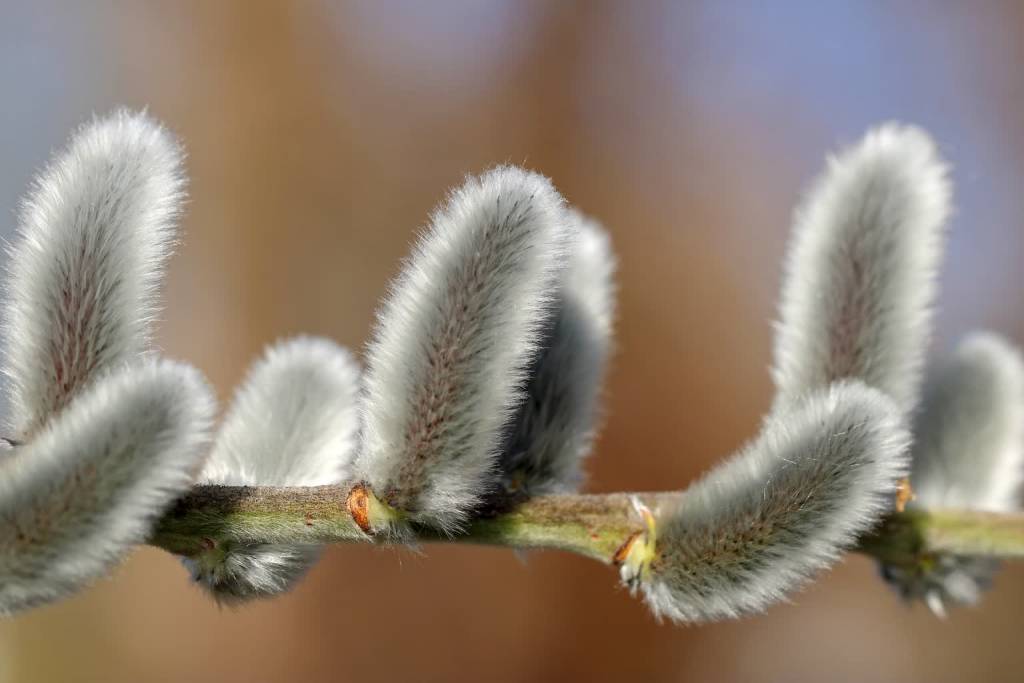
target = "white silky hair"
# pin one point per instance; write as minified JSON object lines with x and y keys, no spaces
{"x":968,"y":454}
{"x":553,"y":430}
{"x":294,"y":422}
{"x":95,"y":232}
{"x":93,"y":480}
{"x":453,"y":343}
{"x":969,"y":436}
{"x":861,"y":270}
{"x":823,"y":470}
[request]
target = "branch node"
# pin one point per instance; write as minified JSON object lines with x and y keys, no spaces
{"x":904,"y":494}
{"x":634,"y":556}
{"x":369,"y":512}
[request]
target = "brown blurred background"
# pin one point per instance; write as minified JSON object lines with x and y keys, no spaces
{"x":320,"y":136}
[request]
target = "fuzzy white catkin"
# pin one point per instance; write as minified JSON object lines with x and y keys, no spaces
{"x":968,"y":454}
{"x":293,"y":422}
{"x":93,"y":480}
{"x":969,"y":436}
{"x":83,"y":271}
{"x":554,"y":427}
{"x":861,"y":271}
{"x":756,"y":527}
{"x":453,"y":343}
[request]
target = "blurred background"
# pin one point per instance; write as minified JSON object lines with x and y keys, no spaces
{"x":320,"y":135}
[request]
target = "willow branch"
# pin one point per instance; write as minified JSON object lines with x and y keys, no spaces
{"x":595,"y":526}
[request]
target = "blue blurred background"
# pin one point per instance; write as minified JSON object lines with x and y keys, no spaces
{"x":321,"y":134}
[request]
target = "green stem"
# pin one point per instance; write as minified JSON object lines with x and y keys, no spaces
{"x":595,"y":526}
